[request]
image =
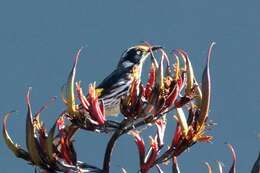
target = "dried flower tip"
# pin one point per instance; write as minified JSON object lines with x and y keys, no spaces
{"x":70,"y":100}
{"x":209,"y":167}
{"x":220,"y":167}
{"x":206,"y":90}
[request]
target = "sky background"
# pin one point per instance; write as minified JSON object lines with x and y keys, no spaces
{"x":38,"y":40}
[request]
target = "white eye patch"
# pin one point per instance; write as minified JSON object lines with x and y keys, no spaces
{"x":127,"y":64}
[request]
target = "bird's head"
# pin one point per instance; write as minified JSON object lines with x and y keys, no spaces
{"x":136,"y":55}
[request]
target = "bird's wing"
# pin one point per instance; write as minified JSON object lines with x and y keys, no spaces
{"x":117,"y":80}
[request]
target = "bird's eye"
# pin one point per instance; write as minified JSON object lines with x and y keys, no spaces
{"x":138,"y":52}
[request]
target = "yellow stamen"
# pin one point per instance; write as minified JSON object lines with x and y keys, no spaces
{"x":99,"y":91}
{"x":177,"y":68}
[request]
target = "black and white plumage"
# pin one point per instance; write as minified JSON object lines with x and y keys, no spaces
{"x":117,"y":84}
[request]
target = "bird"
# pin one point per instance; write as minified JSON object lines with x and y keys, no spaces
{"x":117,"y":84}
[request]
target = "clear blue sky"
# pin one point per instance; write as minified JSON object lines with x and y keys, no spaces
{"x":39,"y":39}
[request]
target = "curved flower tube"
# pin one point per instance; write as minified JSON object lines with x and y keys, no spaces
{"x":47,"y":151}
{"x":146,"y":161}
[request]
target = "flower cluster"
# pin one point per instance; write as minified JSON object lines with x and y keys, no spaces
{"x":170,"y":88}
{"x":90,"y":113}
{"x":48,"y":151}
{"x":173,"y":88}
